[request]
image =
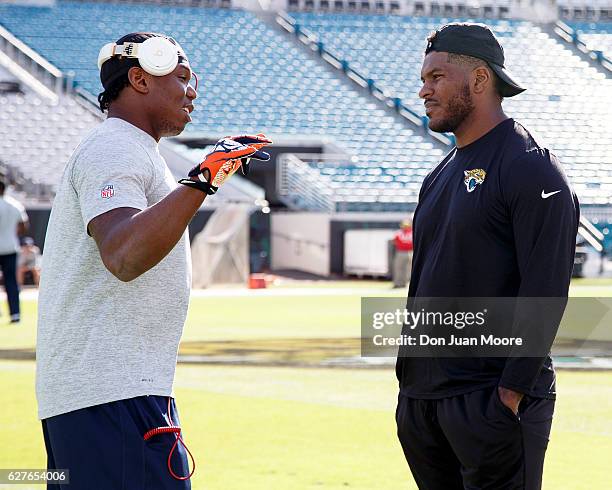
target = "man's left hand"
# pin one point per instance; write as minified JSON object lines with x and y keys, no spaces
{"x":510,"y":398}
{"x":258,"y":142}
{"x":219,"y":165}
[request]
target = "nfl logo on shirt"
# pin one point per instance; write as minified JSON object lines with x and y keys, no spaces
{"x":107,"y":192}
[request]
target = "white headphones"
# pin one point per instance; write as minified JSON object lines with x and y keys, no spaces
{"x":157,"y":56}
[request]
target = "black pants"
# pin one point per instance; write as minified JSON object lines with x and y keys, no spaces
{"x":8,"y":264}
{"x":474,"y":441}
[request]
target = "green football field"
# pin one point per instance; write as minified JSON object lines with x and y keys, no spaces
{"x":269,"y":427}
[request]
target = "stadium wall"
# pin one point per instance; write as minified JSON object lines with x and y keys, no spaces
{"x":314,"y":242}
{"x":39,"y":219}
{"x":301,"y":241}
{"x":339,"y":226}
{"x":259,"y":231}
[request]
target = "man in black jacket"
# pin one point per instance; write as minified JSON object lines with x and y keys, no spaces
{"x":496,"y":218}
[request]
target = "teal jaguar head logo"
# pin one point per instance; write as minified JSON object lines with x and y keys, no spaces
{"x":473,"y":178}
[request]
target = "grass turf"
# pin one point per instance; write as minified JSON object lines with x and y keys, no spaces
{"x":261,"y":317}
{"x":262,"y":428}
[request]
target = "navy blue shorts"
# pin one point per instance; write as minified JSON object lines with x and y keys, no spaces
{"x":103,"y":446}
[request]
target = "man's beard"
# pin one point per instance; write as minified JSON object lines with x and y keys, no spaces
{"x":457,"y":109}
{"x":168,"y":128}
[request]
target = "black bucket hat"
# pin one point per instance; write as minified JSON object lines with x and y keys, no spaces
{"x":478,"y":41}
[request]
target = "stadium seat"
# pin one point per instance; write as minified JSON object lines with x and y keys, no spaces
{"x":277,"y":88}
{"x":596,"y":35}
{"x":38,"y":134}
{"x":565,"y":95}
{"x":254,"y":78}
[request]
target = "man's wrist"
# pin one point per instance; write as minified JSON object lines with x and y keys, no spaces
{"x":510,"y":391}
{"x":200,"y":185}
{"x":510,"y":383}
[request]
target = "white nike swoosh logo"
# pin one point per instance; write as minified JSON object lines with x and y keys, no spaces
{"x":548,"y":194}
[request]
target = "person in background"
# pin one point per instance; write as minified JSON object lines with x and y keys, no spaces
{"x":29,"y":261}
{"x":13,"y":223}
{"x":402,"y":259}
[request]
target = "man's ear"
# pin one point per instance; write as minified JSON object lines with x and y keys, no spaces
{"x":139,"y":80}
{"x":481,"y":79}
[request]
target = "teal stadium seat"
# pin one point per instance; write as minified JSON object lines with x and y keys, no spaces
{"x":253,"y":78}
{"x":596,"y":35}
{"x":567,"y":105}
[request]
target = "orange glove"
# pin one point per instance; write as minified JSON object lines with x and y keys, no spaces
{"x":258,"y":142}
{"x":228,"y":155}
{"x":218,"y":165}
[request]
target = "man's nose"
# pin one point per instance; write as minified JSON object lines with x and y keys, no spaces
{"x":191,"y":93}
{"x":425,"y":90}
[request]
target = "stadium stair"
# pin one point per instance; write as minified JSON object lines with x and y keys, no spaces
{"x":369,"y":86}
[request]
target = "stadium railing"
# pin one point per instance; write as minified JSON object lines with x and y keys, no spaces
{"x":570,"y":35}
{"x":302,"y":187}
{"x":591,"y":234}
{"x":48,"y":74}
{"x":312,"y":41}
